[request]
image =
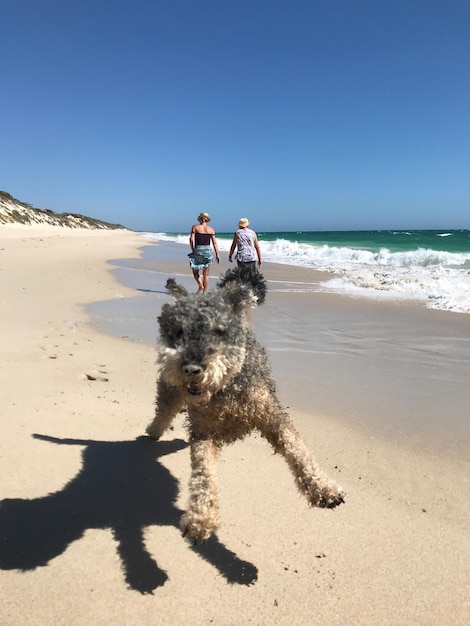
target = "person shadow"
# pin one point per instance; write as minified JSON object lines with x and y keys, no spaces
{"x":122,"y":487}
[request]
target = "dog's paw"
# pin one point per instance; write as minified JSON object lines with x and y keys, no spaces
{"x":153,"y":432}
{"x":327,"y":497}
{"x":332,"y":501}
{"x":196,"y":529}
{"x":331,"y":496}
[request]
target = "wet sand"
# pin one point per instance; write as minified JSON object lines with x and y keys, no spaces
{"x":396,"y":370}
{"x":89,"y":507}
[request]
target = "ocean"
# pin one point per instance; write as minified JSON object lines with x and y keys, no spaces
{"x":431,"y":266}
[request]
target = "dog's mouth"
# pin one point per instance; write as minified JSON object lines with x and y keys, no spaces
{"x":197,"y":394}
{"x":195,"y":387}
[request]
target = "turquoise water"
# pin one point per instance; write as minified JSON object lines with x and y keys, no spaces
{"x":374,"y":240}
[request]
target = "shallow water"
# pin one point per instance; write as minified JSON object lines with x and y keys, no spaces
{"x":395,"y":370}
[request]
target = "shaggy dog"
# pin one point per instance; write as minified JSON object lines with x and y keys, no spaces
{"x":212,"y":366}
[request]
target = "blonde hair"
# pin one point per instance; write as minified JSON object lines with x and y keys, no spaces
{"x":203,"y":217}
{"x":243,"y":222}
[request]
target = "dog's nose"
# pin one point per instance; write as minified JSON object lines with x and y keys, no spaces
{"x":192,"y":370}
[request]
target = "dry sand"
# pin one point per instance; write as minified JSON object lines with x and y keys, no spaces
{"x":89,"y":511}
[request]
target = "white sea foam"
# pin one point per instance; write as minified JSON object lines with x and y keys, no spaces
{"x":441,"y":279}
{"x":441,"y":288}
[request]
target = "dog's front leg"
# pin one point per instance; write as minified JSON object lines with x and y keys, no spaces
{"x":310,"y":480}
{"x":202,"y":518}
{"x":167,"y":405}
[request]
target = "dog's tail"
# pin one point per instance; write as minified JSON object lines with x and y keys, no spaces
{"x":177,"y":291}
{"x":245,"y":279}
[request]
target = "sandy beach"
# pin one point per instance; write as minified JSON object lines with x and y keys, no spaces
{"x":89,"y":507}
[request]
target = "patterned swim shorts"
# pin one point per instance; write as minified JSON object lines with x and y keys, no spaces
{"x":200,"y":258}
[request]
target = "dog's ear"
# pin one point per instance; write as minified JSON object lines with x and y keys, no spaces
{"x":243,"y":287}
{"x":177,"y":291}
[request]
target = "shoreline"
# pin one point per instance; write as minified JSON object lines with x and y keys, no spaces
{"x":90,"y":508}
{"x":333,"y":355}
{"x":418,"y":269}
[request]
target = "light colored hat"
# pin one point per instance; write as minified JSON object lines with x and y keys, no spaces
{"x":243,"y":222}
{"x":203,"y":217}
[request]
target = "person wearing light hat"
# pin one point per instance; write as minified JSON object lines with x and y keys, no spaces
{"x":245,"y":241}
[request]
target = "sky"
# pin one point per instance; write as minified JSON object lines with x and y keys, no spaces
{"x":298,"y":114}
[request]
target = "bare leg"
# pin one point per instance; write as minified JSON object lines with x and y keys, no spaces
{"x":200,"y":284}
{"x":202,"y":517}
{"x":205,"y":279}
{"x":310,"y":480}
{"x":168,"y":404}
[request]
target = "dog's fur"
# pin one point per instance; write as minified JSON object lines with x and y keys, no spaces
{"x":212,"y":365}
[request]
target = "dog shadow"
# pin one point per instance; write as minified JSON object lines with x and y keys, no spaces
{"x":122,"y":487}
{"x":161,"y":291}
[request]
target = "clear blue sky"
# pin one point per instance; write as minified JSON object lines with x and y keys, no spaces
{"x":300,"y":114}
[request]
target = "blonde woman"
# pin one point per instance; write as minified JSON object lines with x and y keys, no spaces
{"x":200,"y":258}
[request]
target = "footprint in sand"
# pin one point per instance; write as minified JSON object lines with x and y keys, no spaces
{"x":98,"y":375}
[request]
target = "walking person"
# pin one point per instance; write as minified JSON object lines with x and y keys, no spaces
{"x":245,"y":241}
{"x":200,"y":258}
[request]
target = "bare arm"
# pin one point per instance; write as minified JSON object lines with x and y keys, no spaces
{"x":192,"y":238}
{"x":232,"y":247}
{"x":214,"y":243}
{"x":258,"y":251}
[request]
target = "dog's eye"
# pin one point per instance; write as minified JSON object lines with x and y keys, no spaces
{"x":176,"y":336}
{"x":220,"y":332}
